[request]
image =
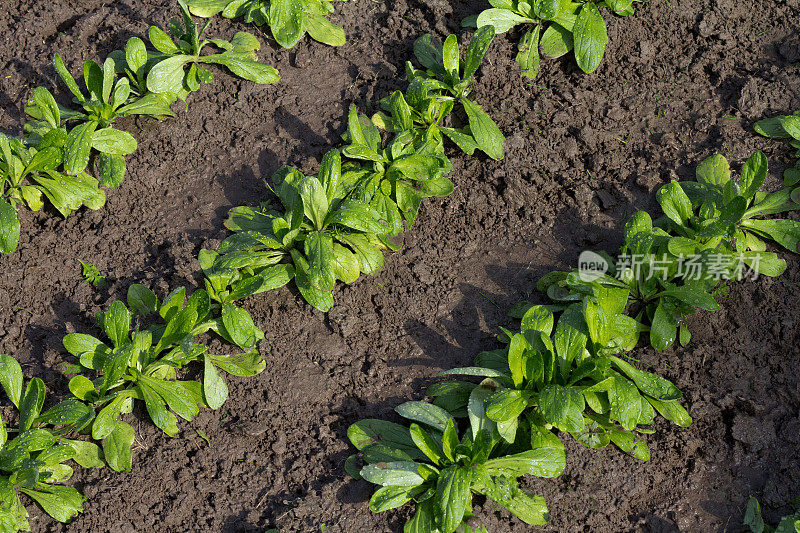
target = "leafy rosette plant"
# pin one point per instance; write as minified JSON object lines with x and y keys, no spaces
{"x":569,"y":379}
{"x":33,"y":455}
{"x":169,"y":75}
{"x":446,"y":81}
{"x":325,"y":233}
{"x":29,"y":174}
{"x":711,"y":232}
{"x":785,"y":127}
{"x":431,"y":467}
{"x":394,"y":180}
{"x":288,"y":20}
{"x":554,"y":28}
{"x":142,"y":363}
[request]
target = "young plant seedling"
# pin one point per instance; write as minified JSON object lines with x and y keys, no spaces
{"x":323,"y":234}
{"x":570,"y":380}
{"x":554,"y":29}
{"x":447,"y":81}
{"x":142,"y":363}
{"x":169,"y":75}
{"x":33,"y":455}
{"x":21,"y":164}
{"x":91,"y":274}
{"x":429,"y":465}
{"x":288,"y":20}
{"x":711,"y":232}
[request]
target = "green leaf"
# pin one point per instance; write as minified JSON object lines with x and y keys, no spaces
{"x":30,"y":404}
{"x":693,"y":294}
{"x":424,"y":413}
{"x":450,"y":56}
{"x":506,"y":404}
{"x":113,"y":142}
{"x":501,"y":20}
{"x":62,"y":503}
{"x":9,"y":227}
{"x":117,"y":323}
{"x":315,"y":202}
{"x":161,"y":41}
{"x":426,"y":443}
{"x":391,"y":497}
{"x":176,"y":396}
{"x":322,"y":30}
{"x":166,"y":76}
{"x":370,"y":431}
{"x":67,"y":78}
{"x":78,"y":146}
{"x":142,"y":300}
{"x":240,"y":326}
{"x":112,"y":170}
{"x":117,"y":447}
{"x":476,"y":51}
{"x":664,"y":329}
{"x":106,"y":419}
{"x":672,"y":411}
{"x":483,"y":128}
{"x":626,"y":403}
{"x":783,"y":231}
{"x":541,"y":462}
{"x":528,"y":55}
{"x":321,"y":261}
{"x":286,"y":21}
{"x":505,"y":492}
{"x":754,"y":173}
{"x":714,"y":171}
{"x":215,"y":391}
{"x":244,"y":67}
{"x":11,"y":378}
{"x":453,"y":496}
{"x":650,"y":384}
{"x":556,"y":41}
{"x":87,"y":454}
{"x":393,"y":473}
{"x":675,"y":203}
{"x":563,"y":407}
{"x":590,"y":37}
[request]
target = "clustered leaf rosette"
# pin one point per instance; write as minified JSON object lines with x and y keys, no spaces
{"x":335,"y":225}
{"x":34,"y":454}
{"x":554,"y":28}
{"x":427,"y":464}
{"x":53,"y":161}
{"x":712,"y":231}
{"x":143,"y":363}
{"x":288,"y":20}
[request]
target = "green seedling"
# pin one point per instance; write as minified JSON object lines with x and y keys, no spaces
{"x":430,"y":466}
{"x":33,"y":455}
{"x":142,"y":363}
{"x":288,"y":20}
{"x":91,"y":274}
{"x":448,"y":81}
{"x":554,"y":28}
{"x":712,"y":231}
{"x":569,"y":379}
{"x":169,"y":74}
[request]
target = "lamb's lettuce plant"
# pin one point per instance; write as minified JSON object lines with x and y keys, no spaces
{"x":553,"y":28}
{"x":34,"y":455}
{"x":142,"y":363}
{"x":437,"y":468}
{"x":288,"y":20}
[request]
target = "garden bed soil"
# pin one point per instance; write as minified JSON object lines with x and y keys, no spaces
{"x":682,"y":80}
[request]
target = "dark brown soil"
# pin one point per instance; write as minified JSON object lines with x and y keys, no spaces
{"x":683,"y":79}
